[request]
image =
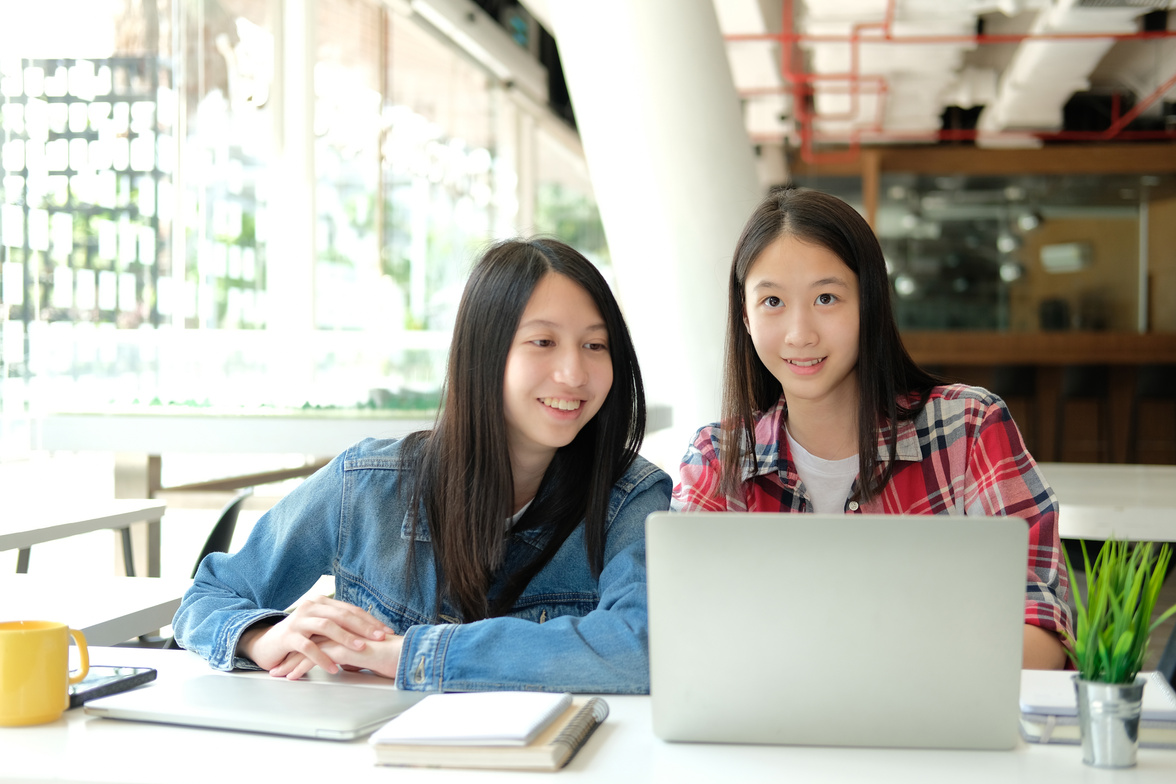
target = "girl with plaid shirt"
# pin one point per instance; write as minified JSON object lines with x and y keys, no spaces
{"x":824,"y":410}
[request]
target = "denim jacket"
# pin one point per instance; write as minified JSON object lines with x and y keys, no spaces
{"x":567,"y":631}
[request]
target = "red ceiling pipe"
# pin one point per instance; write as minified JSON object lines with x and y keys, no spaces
{"x":971,"y":134}
{"x":788,"y":38}
{"x":1126,"y":119}
{"x":974,"y":38}
{"x":798,"y":80}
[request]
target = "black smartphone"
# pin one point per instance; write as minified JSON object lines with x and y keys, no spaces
{"x":102,"y":681}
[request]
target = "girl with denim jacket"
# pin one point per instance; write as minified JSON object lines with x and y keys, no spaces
{"x":504,"y":549}
{"x":824,"y":410}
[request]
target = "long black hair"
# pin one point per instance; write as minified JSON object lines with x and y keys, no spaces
{"x":891,"y":387}
{"x":464,"y":482}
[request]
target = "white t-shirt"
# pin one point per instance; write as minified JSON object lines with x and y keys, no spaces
{"x":828,"y":482}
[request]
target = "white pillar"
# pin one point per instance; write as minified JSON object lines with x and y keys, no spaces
{"x":675,"y":179}
{"x":290,"y":234}
{"x":291,"y":217}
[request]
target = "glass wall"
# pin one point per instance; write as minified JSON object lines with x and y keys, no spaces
{"x":1025,"y":253}
{"x":87,"y":195}
{"x":565,"y":206}
{"x":152,"y":253}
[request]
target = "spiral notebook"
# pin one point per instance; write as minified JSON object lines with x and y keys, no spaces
{"x":503,"y":730}
{"x":1049,"y":709}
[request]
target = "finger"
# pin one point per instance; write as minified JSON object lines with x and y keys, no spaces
{"x":301,"y":669}
{"x":285,"y":665}
{"x":351,"y":617}
{"x":305,"y":656}
{"x":293,"y":667}
{"x":326,"y":629}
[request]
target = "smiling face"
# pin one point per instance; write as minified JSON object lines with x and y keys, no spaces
{"x":558,"y":371}
{"x":801,"y":309}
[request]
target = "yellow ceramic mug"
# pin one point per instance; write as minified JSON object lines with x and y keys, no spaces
{"x":34,"y":670}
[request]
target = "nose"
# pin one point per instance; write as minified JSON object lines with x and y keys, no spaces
{"x":800,"y":330}
{"x":570,"y":368}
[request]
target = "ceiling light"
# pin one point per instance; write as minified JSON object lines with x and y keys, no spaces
{"x":1066,"y":256}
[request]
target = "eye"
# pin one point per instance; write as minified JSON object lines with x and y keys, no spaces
{"x":596,"y":346}
{"x":826,"y":299}
{"x":542,"y":342}
{"x":773,"y":302}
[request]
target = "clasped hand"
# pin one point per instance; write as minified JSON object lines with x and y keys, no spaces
{"x":325,"y":633}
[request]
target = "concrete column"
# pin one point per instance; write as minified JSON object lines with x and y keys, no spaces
{"x":675,"y":179}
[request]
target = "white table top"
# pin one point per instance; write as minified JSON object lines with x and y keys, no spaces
{"x":107,"y":610}
{"x":1098,"y":500}
{"x":78,"y":747}
{"x":319,"y":433}
{"x":28,"y":524}
{"x":322,"y":434}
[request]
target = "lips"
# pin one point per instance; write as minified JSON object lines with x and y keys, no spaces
{"x":805,"y":363}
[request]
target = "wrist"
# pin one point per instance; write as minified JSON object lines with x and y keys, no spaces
{"x":251,"y":634}
{"x":390,"y":662}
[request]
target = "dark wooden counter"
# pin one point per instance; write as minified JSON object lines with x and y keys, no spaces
{"x":1039,"y":348}
{"x":969,"y":357}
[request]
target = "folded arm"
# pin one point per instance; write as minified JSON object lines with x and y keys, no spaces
{"x":605,"y":650}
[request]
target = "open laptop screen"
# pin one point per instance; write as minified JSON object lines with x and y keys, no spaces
{"x":845,"y":630}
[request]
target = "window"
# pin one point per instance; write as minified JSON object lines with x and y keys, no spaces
{"x":169,"y":234}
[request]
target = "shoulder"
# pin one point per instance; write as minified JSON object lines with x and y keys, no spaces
{"x":964,"y":393}
{"x":378,"y":454}
{"x":643,"y":489}
{"x":706,"y":445}
{"x":708,"y":440}
{"x":640,"y":475}
{"x":961,"y":402}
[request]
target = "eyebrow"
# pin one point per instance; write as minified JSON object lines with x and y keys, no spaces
{"x":834,"y":281}
{"x":602,"y":327}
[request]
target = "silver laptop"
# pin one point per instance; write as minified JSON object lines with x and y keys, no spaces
{"x":309,"y":709}
{"x":836,"y":630}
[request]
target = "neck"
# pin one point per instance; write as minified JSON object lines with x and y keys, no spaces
{"x":827,"y":431}
{"x":527,"y":472}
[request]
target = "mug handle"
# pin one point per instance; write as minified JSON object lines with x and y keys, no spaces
{"x":83,"y":653}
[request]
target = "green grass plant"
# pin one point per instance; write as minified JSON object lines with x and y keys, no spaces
{"x":1114,"y":622}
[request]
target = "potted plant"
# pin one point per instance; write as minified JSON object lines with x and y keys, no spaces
{"x":1109,"y":646}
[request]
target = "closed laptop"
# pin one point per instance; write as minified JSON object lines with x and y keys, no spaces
{"x":836,"y":630}
{"x":250,"y":703}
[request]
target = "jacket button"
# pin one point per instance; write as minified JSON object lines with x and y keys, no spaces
{"x":853,"y":506}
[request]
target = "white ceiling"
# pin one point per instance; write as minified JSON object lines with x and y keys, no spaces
{"x":907,"y":69}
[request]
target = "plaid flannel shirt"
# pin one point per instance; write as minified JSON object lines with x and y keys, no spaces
{"x":962,"y":455}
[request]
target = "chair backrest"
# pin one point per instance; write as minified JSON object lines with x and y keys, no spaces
{"x":1156,"y":382}
{"x":1086,"y":381}
{"x":1167,"y":663}
{"x":1014,"y":381}
{"x":221,"y":535}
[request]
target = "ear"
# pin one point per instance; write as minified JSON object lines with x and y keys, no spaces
{"x":746,"y":323}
